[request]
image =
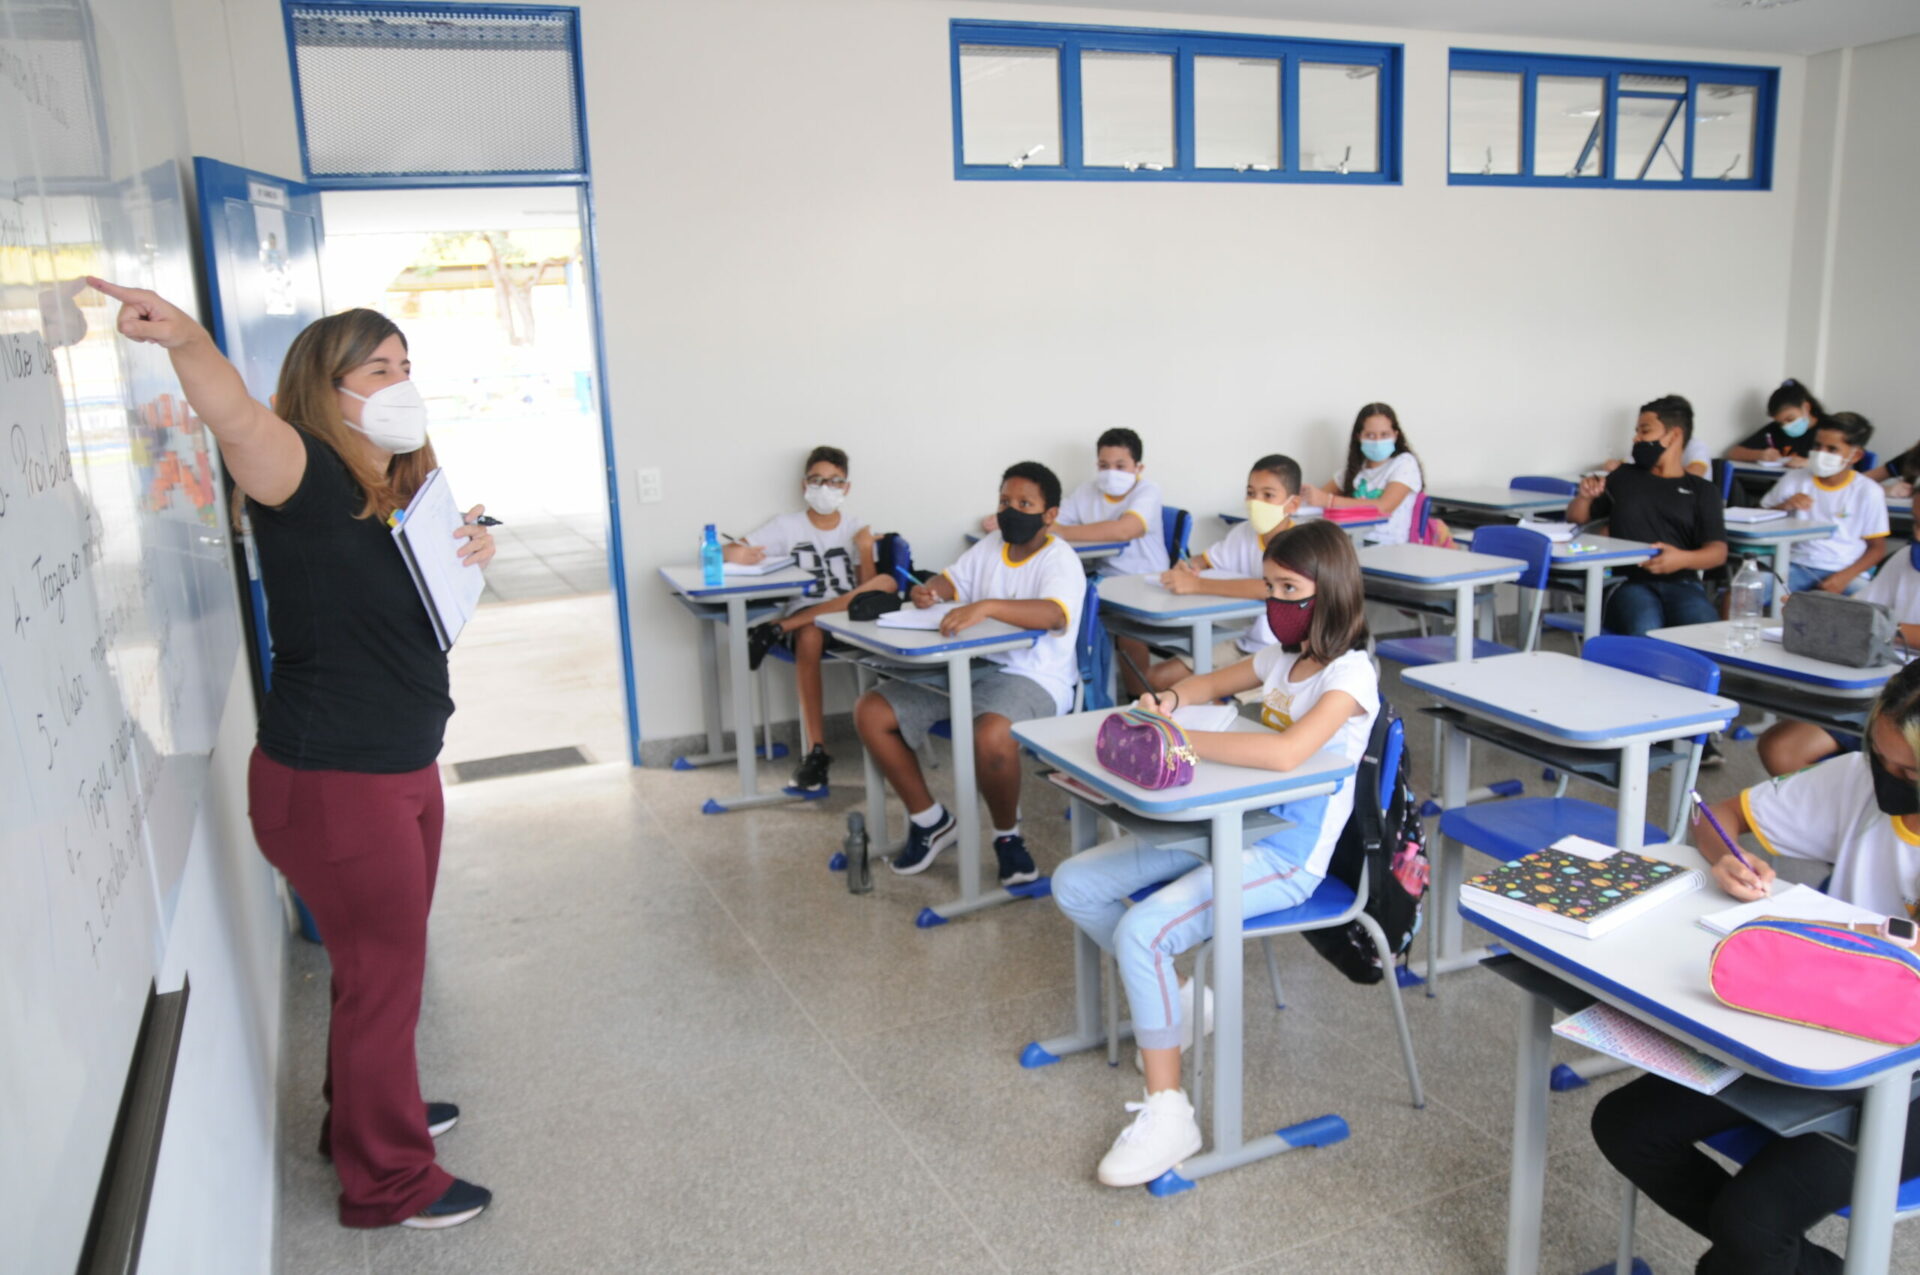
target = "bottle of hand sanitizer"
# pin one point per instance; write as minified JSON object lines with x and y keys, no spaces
{"x":713,"y":570}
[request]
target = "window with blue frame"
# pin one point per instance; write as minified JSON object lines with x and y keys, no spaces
{"x":1036,"y":102}
{"x":1521,"y":119}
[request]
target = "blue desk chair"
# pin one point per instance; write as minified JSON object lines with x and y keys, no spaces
{"x":1721,"y":472}
{"x":1868,"y":460}
{"x":1739,"y":1144}
{"x":1177,"y":526}
{"x":1529,"y":547}
{"x":1095,"y":653}
{"x":1507,"y":830}
{"x":1544,"y":483}
{"x":1333,"y":905}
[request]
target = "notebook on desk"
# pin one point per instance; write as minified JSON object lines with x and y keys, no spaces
{"x":913,"y":617}
{"x":1575,"y":892}
{"x":764,"y":567}
{"x":1754,"y":515}
{"x":1793,"y":902}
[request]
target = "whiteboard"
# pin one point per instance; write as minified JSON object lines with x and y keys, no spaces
{"x":119,"y":618}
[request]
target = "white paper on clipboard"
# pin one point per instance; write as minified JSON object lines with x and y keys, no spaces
{"x":448,"y":587}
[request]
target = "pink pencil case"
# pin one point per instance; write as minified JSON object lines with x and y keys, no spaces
{"x":1820,"y":976}
{"x":1145,"y":748}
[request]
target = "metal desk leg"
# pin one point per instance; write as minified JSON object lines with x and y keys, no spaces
{"x":1630,"y":818}
{"x":877,"y":834}
{"x":742,"y":681}
{"x":1202,"y":645}
{"x":717,"y":750}
{"x":1526,"y":1188}
{"x":1463,"y":622}
{"x":1876,"y":1173}
{"x":966,"y":802}
{"x":1590,"y":619}
{"x":1446,"y":956}
{"x":1780,"y":561}
{"x":1088,"y":1031}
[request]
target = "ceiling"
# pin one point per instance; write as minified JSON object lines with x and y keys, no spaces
{"x":1796,"y":26}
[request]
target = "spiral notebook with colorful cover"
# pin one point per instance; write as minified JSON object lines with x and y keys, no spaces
{"x":1576,"y":894}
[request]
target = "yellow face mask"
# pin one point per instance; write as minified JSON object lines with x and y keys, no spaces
{"x":1265,"y":518}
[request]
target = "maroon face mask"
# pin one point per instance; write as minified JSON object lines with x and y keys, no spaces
{"x":1289,"y":620}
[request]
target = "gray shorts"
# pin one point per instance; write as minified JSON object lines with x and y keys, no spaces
{"x":918,"y":706}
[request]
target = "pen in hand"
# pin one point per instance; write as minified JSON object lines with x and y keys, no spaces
{"x":1700,"y":806}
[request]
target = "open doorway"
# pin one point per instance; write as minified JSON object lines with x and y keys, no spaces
{"x":490,"y":286}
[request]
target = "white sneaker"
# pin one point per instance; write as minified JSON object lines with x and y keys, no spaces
{"x":1186,"y":1022}
{"x":1160,"y":1137}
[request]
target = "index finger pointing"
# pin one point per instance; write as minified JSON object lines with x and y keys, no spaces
{"x":127,"y":296}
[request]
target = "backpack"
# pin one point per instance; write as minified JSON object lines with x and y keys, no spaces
{"x":1391,"y":844}
{"x":1424,"y":528}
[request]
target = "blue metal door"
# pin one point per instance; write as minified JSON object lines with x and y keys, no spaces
{"x":261,"y":237}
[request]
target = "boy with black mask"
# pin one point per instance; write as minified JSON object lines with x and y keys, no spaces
{"x":1657,"y":501}
{"x":1023,"y":575}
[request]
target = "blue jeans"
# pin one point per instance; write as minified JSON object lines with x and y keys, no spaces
{"x":1642,"y":605}
{"x":1092,"y":888}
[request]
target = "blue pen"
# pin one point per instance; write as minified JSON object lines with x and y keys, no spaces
{"x":1700,"y":805}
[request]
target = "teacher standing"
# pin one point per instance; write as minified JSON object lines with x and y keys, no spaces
{"x":343,"y":787}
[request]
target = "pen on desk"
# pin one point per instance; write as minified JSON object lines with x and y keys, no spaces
{"x":1700,"y":805}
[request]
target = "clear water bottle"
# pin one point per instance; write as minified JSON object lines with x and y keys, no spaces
{"x":1746,"y":604}
{"x":713,"y":571}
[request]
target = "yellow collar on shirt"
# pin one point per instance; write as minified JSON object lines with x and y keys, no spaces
{"x":1005,"y":547}
{"x":1839,"y":484}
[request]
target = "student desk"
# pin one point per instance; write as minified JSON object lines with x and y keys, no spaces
{"x":1655,"y":968}
{"x":727,"y":605}
{"x":1567,"y":702}
{"x":1206,"y":814}
{"x":1137,"y":606}
{"x":1770,"y":678}
{"x":890,"y":652}
{"x":1430,"y":569}
{"x":1591,"y":558}
{"x":1487,"y":499}
{"x":1774,"y":539}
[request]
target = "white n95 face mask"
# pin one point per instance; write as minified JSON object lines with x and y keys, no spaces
{"x":823,"y":500}
{"x":1826,"y":464}
{"x":393,"y":418}
{"x":1115,"y":482}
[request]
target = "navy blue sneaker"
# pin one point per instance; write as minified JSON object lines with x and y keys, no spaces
{"x":462,"y":1203}
{"x":1016,"y":865}
{"x":441,"y":1116}
{"x":924,"y":845}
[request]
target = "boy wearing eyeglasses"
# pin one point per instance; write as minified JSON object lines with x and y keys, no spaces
{"x":836,"y":548}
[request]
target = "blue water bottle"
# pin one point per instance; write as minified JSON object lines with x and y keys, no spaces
{"x":712,"y":566}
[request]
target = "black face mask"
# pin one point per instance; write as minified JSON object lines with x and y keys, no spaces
{"x":1016,"y":527}
{"x":1647,"y":453}
{"x":1894,"y":795}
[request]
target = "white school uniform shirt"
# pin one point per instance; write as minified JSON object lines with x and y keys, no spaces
{"x":1826,"y":813}
{"x":1239,"y":555}
{"x":1372,"y":482}
{"x":828,"y":555}
{"x":1856,"y":507}
{"x":1696,"y":453}
{"x":1087,"y":504}
{"x":1282,"y":703}
{"x":1896,"y":587}
{"x":1054,"y":573}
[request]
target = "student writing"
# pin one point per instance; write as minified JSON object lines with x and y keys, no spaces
{"x":1021,"y":574}
{"x":1656,"y":501}
{"x":837,"y":549}
{"x":1318,"y":690}
{"x":1232,"y":567}
{"x":1792,"y":412}
{"x":1860,"y":813}
{"x":1830,"y":490}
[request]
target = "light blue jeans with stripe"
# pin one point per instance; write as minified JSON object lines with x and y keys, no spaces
{"x":1092,"y":888}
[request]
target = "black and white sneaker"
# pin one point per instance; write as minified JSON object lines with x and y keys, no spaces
{"x":441,"y":1116}
{"x":462,"y":1203}
{"x":811,"y":773}
{"x":1710,"y":757}
{"x":1016,"y":865}
{"x":924,"y":845}
{"x":762,"y":638}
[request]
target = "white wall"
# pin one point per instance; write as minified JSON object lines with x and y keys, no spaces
{"x":215,"y":1193}
{"x":1857,"y":276}
{"x":787,"y":259}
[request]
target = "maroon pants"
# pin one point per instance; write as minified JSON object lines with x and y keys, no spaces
{"x":362,"y":851}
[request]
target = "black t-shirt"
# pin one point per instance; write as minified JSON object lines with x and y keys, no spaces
{"x":1771,"y":435}
{"x":1683,"y":512}
{"x":359,"y":681}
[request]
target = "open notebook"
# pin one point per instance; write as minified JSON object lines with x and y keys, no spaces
{"x":1794,"y":902}
{"x":764,"y":567}
{"x":1754,"y":515}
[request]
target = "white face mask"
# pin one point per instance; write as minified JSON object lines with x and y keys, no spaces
{"x":824,"y":500}
{"x":394,"y":418}
{"x":1115,"y":482}
{"x":1826,"y":464}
